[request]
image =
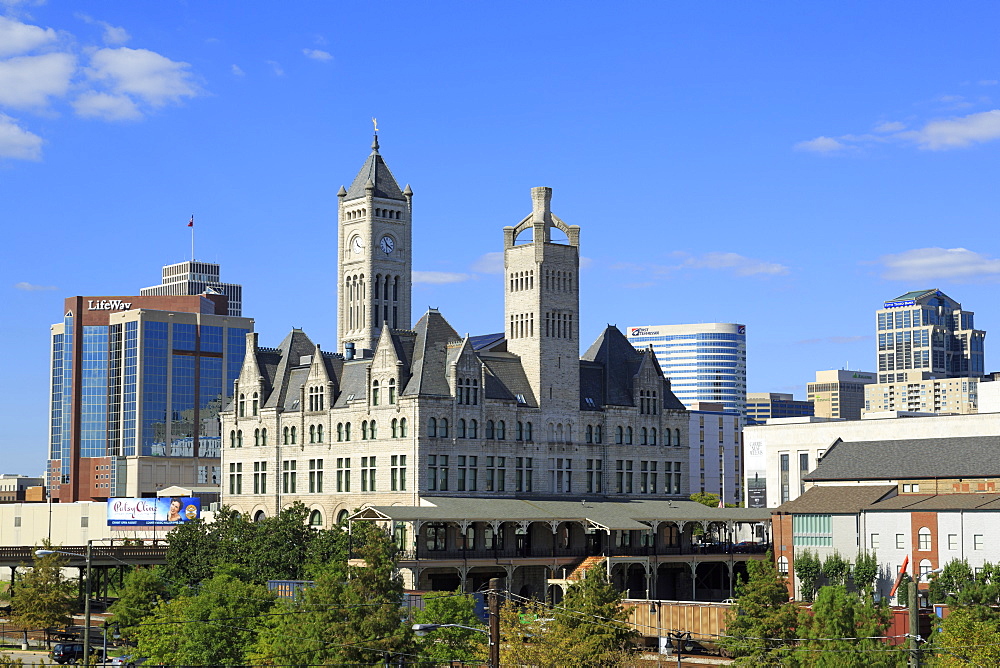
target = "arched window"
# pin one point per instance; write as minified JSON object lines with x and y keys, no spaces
{"x":677,"y":436}
{"x":473,"y":429}
{"x":924,"y":539}
{"x":394,"y":427}
{"x":256,"y":436}
{"x":598,"y":434}
{"x":392,"y":389}
{"x":443,"y":427}
{"x":316,"y":519}
{"x":312,"y":433}
{"x":373,"y":430}
{"x":590,"y":433}
{"x":374,"y":393}
{"x":347,"y":431}
{"x":364,"y":430}
{"x":342,"y":516}
{"x":263,"y":436}
{"x":783,"y":566}
{"x":668,"y":432}
{"x":519,"y":431}
{"x":294,"y":434}
{"x":432,"y":427}
{"x":645,"y":436}
{"x":259,"y":516}
{"x":652,"y":436}
{"x":232,"y":439}
{"x":243,"y":406}
{"x":619,"y":435}
{"x":501,"y":430}
{"x":628,"y":435}
{"x":284,"y":436}
{"x":256,"y":403}
{"x":340,"y":431}
{"x":239,"y":438}
{"x":461,"y":428}
{"x":402,"y":427}
{"x":319,"y":433}
{"x":489,"y":429}
{"x":527,"y":431}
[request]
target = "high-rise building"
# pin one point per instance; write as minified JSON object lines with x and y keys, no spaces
{"x":137,"y":384}
{"x":197,"y":278}
{"x":704,"y":362}
{"x":926,"y":330}
{"x":839,"y":393}
{"x":714,"y":451}
{"x":920,"y":392}
{"x":762,"y":406}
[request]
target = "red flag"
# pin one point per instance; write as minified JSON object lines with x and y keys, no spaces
{"x":191,"y":222}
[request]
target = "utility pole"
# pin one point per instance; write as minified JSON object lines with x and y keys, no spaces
{"x":912,"y":591}
{"x":494,"y":603}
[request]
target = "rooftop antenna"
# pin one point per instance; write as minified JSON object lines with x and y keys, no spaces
{"x":191,"y":225}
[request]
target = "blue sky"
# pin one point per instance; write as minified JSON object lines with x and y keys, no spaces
{"x":784,"y":165}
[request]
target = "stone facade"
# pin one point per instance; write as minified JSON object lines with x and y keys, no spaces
{"x":408,"y":414}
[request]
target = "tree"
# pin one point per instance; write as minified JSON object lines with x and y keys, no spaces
{"x":763,"y":621}
{"x":707,"y":498}
{"x":840,"y":631}
{"x":969,"y":636}
{"x":43,"y":598}
{"x":836,"y":569}
{"x":955,"y":576}
{"x":451,"y":644}
{"x":142,"y":592}
{"x":865,"y":572}
{"x":808,"y":568}
{"x":903,"y":590}
{"x":213,"y":625}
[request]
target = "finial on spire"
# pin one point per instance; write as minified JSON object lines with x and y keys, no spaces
{"x":375,"y":141}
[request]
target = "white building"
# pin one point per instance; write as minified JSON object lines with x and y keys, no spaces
{"x":714,"y":449}
{"x":921,"y":391}
{"x":704,"y":362}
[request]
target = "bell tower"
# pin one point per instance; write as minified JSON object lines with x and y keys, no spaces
{"x":374,"y":260}
{"x":542,"y":304}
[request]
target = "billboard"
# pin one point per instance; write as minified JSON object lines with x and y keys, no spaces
{"x":167,"y":510}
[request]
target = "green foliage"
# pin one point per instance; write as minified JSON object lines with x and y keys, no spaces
{"x":451,"y":644}
{"x":840,"y":632}
{"x":763,"y":621}
{"x":141,"y":593}
{"x":706,"y":498}
{"x":969,"y":636}
{"x":283,"y":547}
{"x":865,"y":572}
{"x":42,"y":597}
{"x":808,"y":568}
{"x":350,"y":615}
{"x":903,"y":590}
{"x":954,"y":577}
{"x":836,"y":569}
{"x":214,"y":624}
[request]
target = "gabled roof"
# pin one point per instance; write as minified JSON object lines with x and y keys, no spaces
{"x":835,"y":499}
{"x":377,"y":172}
{"x":430,"y":355}
{"x":620,"y":362}
{"x":295,"y":346}
{"x":911,"y":459}
{"x":936,"y":502}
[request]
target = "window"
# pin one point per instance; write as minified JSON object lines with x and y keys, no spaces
{"x":527,"y":431}
{"x":374,"y":393}
{"x":519,"y":432}
{"x":473,"y":429}
{"x":443,"y":427}
{"x":232,"y":439}
{"x":561,"y":474}
{"x":436,"y":536}
{"x":619,"y":435}
{"x":594,"y":476}
{"x":652,"y":436}
{"x":235,"y":478}
{"x":312,"y":433}
{"x":284,"y":436}
{"x":316,"y":398}
{"x":392,"y":390}
{"x":315,"y":476}
{"x":256,"y":403}
{"x":319,"y":433}
{"x":316,"y":519}
{"x":598,"y":434}
{"x":647,"y":477}
{"x":783,"y":566}
{"x":343,"y":474}
{"x":397,"y":473}
{"x":367,"y":474}
{"x":590,"y":433}
{"x":977,"y":541}
{"x":873,"y":541}
{"x":900,"y":541}
{"x":952,"y":541}
{"x":243,"y":406}
{"x":239,"y":438}
{"x":812,"y":530}
{"x":628,"y":435}
{"x":501,"y":430}
{"x":461,"y":428}
{"x":522,"y":474}
{"x":394,"y":428}
{"x":260,"y":477}
{"x":492,"y":538}
{"x":364,"y":430}
{"x":496,"y":474}
{"x":432,"y":427}
{"x":288,"y":476}
{"x":293,"y":433}
{"x":437,"y":469}
{"x":402,"y":427}
{"x":784,"y":477}
{"x":489,"y":429}
{"x":924,"y":539}
{"x":467,"y":473}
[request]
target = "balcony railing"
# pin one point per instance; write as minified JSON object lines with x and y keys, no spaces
{"x":537,"y":552}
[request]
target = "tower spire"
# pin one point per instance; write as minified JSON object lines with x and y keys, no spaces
{"x":375,"y":140}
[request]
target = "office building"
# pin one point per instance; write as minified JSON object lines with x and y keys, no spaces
{"x":921,"y":392}
{"x":839,"y":393}
{"x":714,"y":451}
{"x":14,"y":487}
{"x":136,"y":387}
{"x":762,"y":406}
{"x":704,"y":362}
{"x":926,"y":330}
{"x":197,"y":278}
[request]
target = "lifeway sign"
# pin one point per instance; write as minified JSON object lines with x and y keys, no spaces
{"x":108,"y":305}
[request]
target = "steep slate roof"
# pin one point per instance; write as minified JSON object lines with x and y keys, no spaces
{"x":911,"y":458}
{"x":505,"y":378}
{"x":620,"y":362}
{"x":295,"y":346}
{"x":835,"y":500}
{"x":376,"y":171}
{"x":430,"y":355}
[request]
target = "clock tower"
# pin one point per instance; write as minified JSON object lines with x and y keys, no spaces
{"x":374,"y":259}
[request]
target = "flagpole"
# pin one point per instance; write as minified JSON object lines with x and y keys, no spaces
{"x":191,"y":225}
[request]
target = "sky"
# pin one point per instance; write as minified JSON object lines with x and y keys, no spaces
{"x":784,"y":165}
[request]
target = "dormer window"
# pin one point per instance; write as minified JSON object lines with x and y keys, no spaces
{"x":467,"y":391}
{"x":317,"y":398}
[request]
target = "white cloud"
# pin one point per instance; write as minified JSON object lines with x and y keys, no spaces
{"x":923,"y":264}
{"x":154,"y":79}
{"x":17,"y":37}
{"x":957,"y":132}
{"x":238,"y":71}
{"x":490,"y":263}
{"x":18,"y":143}
{"x":820,"y":145}
{"x":106,"y":106}
{"x":439,"y":277}
{"x":111,"y":34}
{"x":276,"y":68}
{"x":29,"y":287}
{"x":738,"y":264}
{"x":29,"y":81}
{"x":317,"y":54}
{"x":890,"y":126}
{"x":988,"y":82}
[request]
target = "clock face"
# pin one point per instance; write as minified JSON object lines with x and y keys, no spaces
{"x":387,"y":245}
{"x":357,"y":245}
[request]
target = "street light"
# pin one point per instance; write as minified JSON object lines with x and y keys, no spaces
{"x":914,"y":634}
{"x":116,"y":634}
